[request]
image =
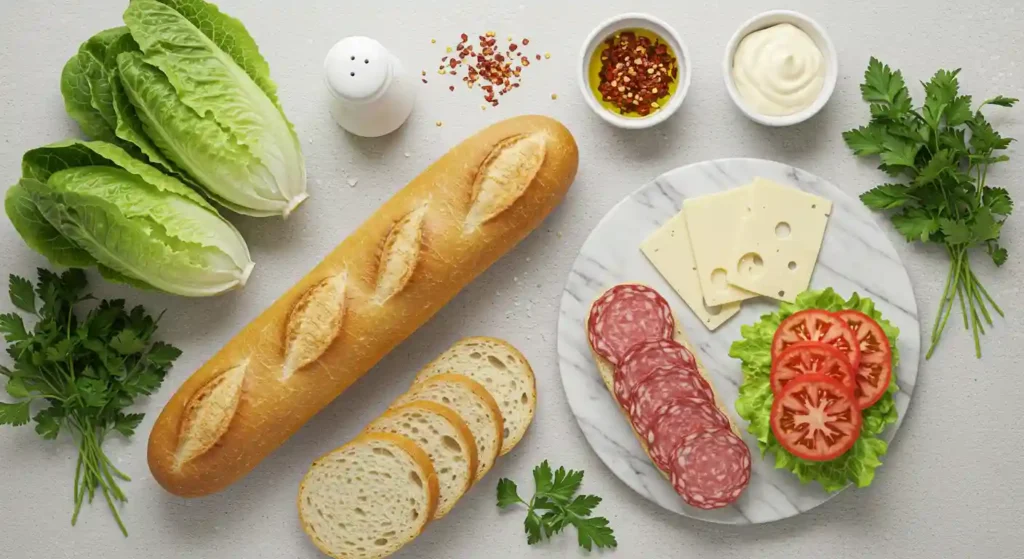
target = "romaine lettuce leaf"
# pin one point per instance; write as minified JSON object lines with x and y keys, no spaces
{"x":38,"y":234}
{"x":755,"y":396}
{"x":185,"y":83}
{"x":139,"y":225}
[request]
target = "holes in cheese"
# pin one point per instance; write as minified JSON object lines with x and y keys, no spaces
{"x":314,"y":322}
{"x":503,"y":177}
{"x":209,"y":413}
{"x":400,"y":253}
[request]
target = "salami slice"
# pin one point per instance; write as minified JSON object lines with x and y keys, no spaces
{"x":626,"y":315}
{"x":711,"y":468}
{"x":679,"y":421}
{"x":645,"y":358}
{"x":662,"y":388}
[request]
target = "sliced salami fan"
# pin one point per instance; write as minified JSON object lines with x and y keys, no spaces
{"x":662,"y":388}
{"x":679,"y":421}
{"x":645,"y":358}
{"x":711,"y":468}
{"x":626,"y":315}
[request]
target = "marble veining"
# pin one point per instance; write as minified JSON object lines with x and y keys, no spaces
{"x":856,"y":256}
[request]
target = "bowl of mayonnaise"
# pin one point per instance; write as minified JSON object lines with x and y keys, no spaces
{"x":780,"y":68}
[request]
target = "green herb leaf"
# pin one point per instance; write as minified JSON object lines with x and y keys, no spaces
{"x":16,"y":388}
{"x":13,"y":328}
{"x":543,"y":478}
{"x":127,"y":342}
{"x":14,"y":414}
{"x":866,"y":140}
{"x":22,"y":295}
{"x":915,"y":224}
{"x":985,"y":227}
{"x":532,"y":526}
{"x":48,"y":423}
{"x":941,"y":162}
{"x":127,"y":423}
{"x":998,"y":254}
{"x":882,"y":85}
{"x":507,"y":494}
{"x":163,"y":354}
{"x":957,"y":232}
{"x":594,"y":531}
{"x":959,"y":111}
{"x":887,"y":197}
{"x":998,"y":201}
{"x":1001,"y":101}
{"x":899,"y":152}
{"x":553,"y":495}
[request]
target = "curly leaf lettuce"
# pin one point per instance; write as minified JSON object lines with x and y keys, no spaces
{"x":755,"y":398}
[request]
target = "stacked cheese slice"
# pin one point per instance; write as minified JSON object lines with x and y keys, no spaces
{"x":724,"y":248}
{"x":412,"y":464}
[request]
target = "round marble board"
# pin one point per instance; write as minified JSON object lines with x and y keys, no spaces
{"x":856,"y":256}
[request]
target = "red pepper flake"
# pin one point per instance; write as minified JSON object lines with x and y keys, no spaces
{"x":491,"y":67}
{"x":424,"y":80}
{"x":636,"y":73}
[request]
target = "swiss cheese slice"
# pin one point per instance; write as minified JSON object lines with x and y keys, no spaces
{"x":713,"y":222}
{"x":669,"y":250}
{"x":777,"y":244}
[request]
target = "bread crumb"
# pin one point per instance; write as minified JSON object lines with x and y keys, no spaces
{"x":554,"y":96}
{"x":439,"y":123}
{"x":558,"y":233}
{"x":527,"y":258}
{"x":547,"y":55}
{"x":407,"y":154}
{"x":352,"y":182}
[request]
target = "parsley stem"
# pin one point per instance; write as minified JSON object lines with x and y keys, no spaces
{"x":947,"y":296}
{"x":987,"y":296}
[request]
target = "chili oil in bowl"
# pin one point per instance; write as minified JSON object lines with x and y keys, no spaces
{"x":634,"y":71}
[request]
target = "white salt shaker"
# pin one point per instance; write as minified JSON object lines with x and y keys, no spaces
{"x":371,"y":92}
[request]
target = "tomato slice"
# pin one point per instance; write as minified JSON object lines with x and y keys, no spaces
{"x":810,"y":358}
{"x":816,"y":418}
{"x":875,"y":371}
{"x":816,"y":325}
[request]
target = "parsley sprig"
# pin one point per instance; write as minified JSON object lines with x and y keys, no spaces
{"x":942,"y":152}
{"x":86,"y":372}
{"x":553,"y":507}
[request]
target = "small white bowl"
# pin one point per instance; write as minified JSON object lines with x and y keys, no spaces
{"x":661,"y":29}
{"x":815,"y":32}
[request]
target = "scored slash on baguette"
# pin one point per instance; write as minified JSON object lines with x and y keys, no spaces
{"x":473,"y":403}
{"x":503,"y":371}
{"x":368,"y":498}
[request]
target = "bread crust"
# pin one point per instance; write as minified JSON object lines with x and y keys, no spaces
{"x":273,"y":405}
{"x":418,"y":455}
{"x":482,"y":393}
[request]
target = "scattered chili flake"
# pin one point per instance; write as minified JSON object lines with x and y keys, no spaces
{"x":424,"y":80}
{"x":494,"y":69}
{"x":451,"y":88}
{"x":432,"y":41}
{"x":636,"y":73}
{"x":554,"y":96}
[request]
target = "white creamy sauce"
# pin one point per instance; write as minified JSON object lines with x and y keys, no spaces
{"x":778,"y":70}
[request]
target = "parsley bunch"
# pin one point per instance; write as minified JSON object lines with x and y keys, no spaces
{"x":553,"y":496}
{"x":942,"y":152}
{"x":85,"y":371}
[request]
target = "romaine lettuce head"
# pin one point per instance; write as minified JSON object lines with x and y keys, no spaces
{"x":213,"y":116}
{"x":755,"y":399}
{"x":82,"y":203}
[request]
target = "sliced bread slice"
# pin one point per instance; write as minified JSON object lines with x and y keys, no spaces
{"x":473,"y":403}
{"x":445,"y":437}
{"x":502,"y":370}
{"x":368,"y":498}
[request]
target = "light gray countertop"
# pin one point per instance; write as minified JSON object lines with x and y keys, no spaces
{"x":951,"y":485}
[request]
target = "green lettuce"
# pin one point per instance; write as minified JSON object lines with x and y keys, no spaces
{"x":755,"y":396}
{"x":184,"y":87}
{"x":92,"y":203}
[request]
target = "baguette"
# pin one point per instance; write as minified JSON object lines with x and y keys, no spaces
{"x":368,"y":498}
{"x":374,"y":290}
